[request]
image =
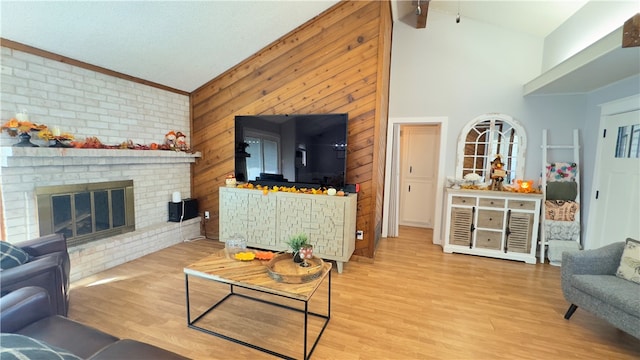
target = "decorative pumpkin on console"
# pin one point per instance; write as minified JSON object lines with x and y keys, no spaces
{"x":525,"y":186}
{"x":230,"y":180}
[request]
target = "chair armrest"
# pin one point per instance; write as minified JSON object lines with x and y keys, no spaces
{"x":23,"y":307}
{"x":28,"y":271}
{"x":44,"y":245}
{"x":601,"y":261}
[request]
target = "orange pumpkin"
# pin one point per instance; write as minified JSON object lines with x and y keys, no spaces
{"x":13,"y":123}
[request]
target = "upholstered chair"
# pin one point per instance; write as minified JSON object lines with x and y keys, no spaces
{"x":46,"y":264}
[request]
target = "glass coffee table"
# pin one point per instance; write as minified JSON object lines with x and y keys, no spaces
{"x":253,"y":276}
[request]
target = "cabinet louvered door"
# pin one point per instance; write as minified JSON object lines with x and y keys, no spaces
{"x":461,"y":226}
{"x":519,"y":226}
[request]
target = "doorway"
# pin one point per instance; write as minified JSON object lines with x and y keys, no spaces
{"x":615,"y":204}
{"x":418,"y":174}
{"x":391,"y":209}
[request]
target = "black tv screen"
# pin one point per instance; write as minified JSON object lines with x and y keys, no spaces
{"x":300,"y":150}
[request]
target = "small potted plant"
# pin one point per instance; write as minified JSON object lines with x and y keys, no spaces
{"x":295,"y":243}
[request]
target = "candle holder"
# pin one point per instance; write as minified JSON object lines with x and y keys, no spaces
{"x":25,"y":140}
{"x":57,"y":142}
{"x":306,"y":252}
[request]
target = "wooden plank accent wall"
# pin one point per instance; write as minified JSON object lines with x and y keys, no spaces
{"x":336,"y":63}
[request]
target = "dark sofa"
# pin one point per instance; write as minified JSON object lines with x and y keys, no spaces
{"x":26,"y":312}
{"x":47,"y":268}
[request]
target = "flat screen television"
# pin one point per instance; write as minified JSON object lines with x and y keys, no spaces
{"x":288,"y":150}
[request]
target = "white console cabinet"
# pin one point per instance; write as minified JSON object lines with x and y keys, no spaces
{"x":268,"y":221}
{"x":498,"y":224}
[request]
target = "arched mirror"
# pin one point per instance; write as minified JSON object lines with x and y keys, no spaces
{"x":485,"y":137}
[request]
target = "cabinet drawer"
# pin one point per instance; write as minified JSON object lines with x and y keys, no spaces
{"x":498,"y":203}
{"x":490,"y":219}
{"x":463,"y":200}
{"x":522,"y":205}
{"x":488,"y":239}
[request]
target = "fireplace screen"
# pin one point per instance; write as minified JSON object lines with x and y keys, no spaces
{"x":86,"y":212}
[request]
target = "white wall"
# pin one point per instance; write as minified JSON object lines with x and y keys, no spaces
{"x":468,"y":69}
{"x":87,"y":103}
{"x":460,"y":71}
{"x":593,"y":21}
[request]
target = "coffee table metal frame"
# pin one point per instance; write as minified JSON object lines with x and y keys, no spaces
{"x":192,"y":322}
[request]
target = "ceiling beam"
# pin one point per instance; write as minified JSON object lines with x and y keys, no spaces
{"x":631,"y":32}
{"x":421,"y":18}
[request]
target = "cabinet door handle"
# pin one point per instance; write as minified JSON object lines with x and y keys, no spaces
{"x":473,"y":215}
{"x":409,"y":188}
{"x":507,"y":232}
{"x":410,"y":169}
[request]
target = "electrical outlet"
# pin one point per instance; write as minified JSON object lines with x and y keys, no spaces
{"x":360,"y":235}
{"x":206,"y":215}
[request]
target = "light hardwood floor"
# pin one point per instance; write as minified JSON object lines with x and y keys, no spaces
{"x":412,"y":302}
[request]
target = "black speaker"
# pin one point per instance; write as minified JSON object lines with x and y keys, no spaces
{"x":352,"y":188}
{"x":188,"y":207}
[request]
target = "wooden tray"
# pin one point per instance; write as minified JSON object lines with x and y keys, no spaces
{"x":282,"y":269}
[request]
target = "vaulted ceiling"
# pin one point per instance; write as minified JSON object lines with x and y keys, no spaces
{"x":183,"y":44}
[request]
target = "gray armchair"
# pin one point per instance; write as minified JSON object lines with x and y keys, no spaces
{"x":48,"y":268}
{"x":589,"y":282}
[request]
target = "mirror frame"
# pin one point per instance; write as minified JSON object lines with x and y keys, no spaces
{"x":519,"y":132}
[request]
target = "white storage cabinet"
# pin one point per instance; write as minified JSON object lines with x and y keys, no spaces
{"x":497,"y":224}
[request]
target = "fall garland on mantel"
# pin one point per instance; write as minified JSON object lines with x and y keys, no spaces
{"x":174,"y":140}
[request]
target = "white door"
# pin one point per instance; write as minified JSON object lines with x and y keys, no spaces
{"x":617,"y":183}
{"x":418,"y":174}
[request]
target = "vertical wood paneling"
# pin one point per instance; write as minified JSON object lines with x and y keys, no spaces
{"x":382,"y":108}
{"x":336,"y":63}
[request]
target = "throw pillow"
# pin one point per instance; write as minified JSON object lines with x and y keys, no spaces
{"x":19,"y":347}
{"x":11,"y":255}
{"x":629,"y":268}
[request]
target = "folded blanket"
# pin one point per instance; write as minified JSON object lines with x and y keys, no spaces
{"x":556,"y":248}
{"x":561,"y":210}
{"x":562,"y":171}
{"x":561,"y":230}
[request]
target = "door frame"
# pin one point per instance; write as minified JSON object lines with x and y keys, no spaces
{"x":393,"y":157}
{"x":619,"y":106}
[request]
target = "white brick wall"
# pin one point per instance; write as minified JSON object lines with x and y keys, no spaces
{"x":86,"y":103}
{"x":103,"y":254}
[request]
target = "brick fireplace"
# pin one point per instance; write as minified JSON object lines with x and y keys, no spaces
{"x":155,"y":175}
{"x":87,"y":103}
